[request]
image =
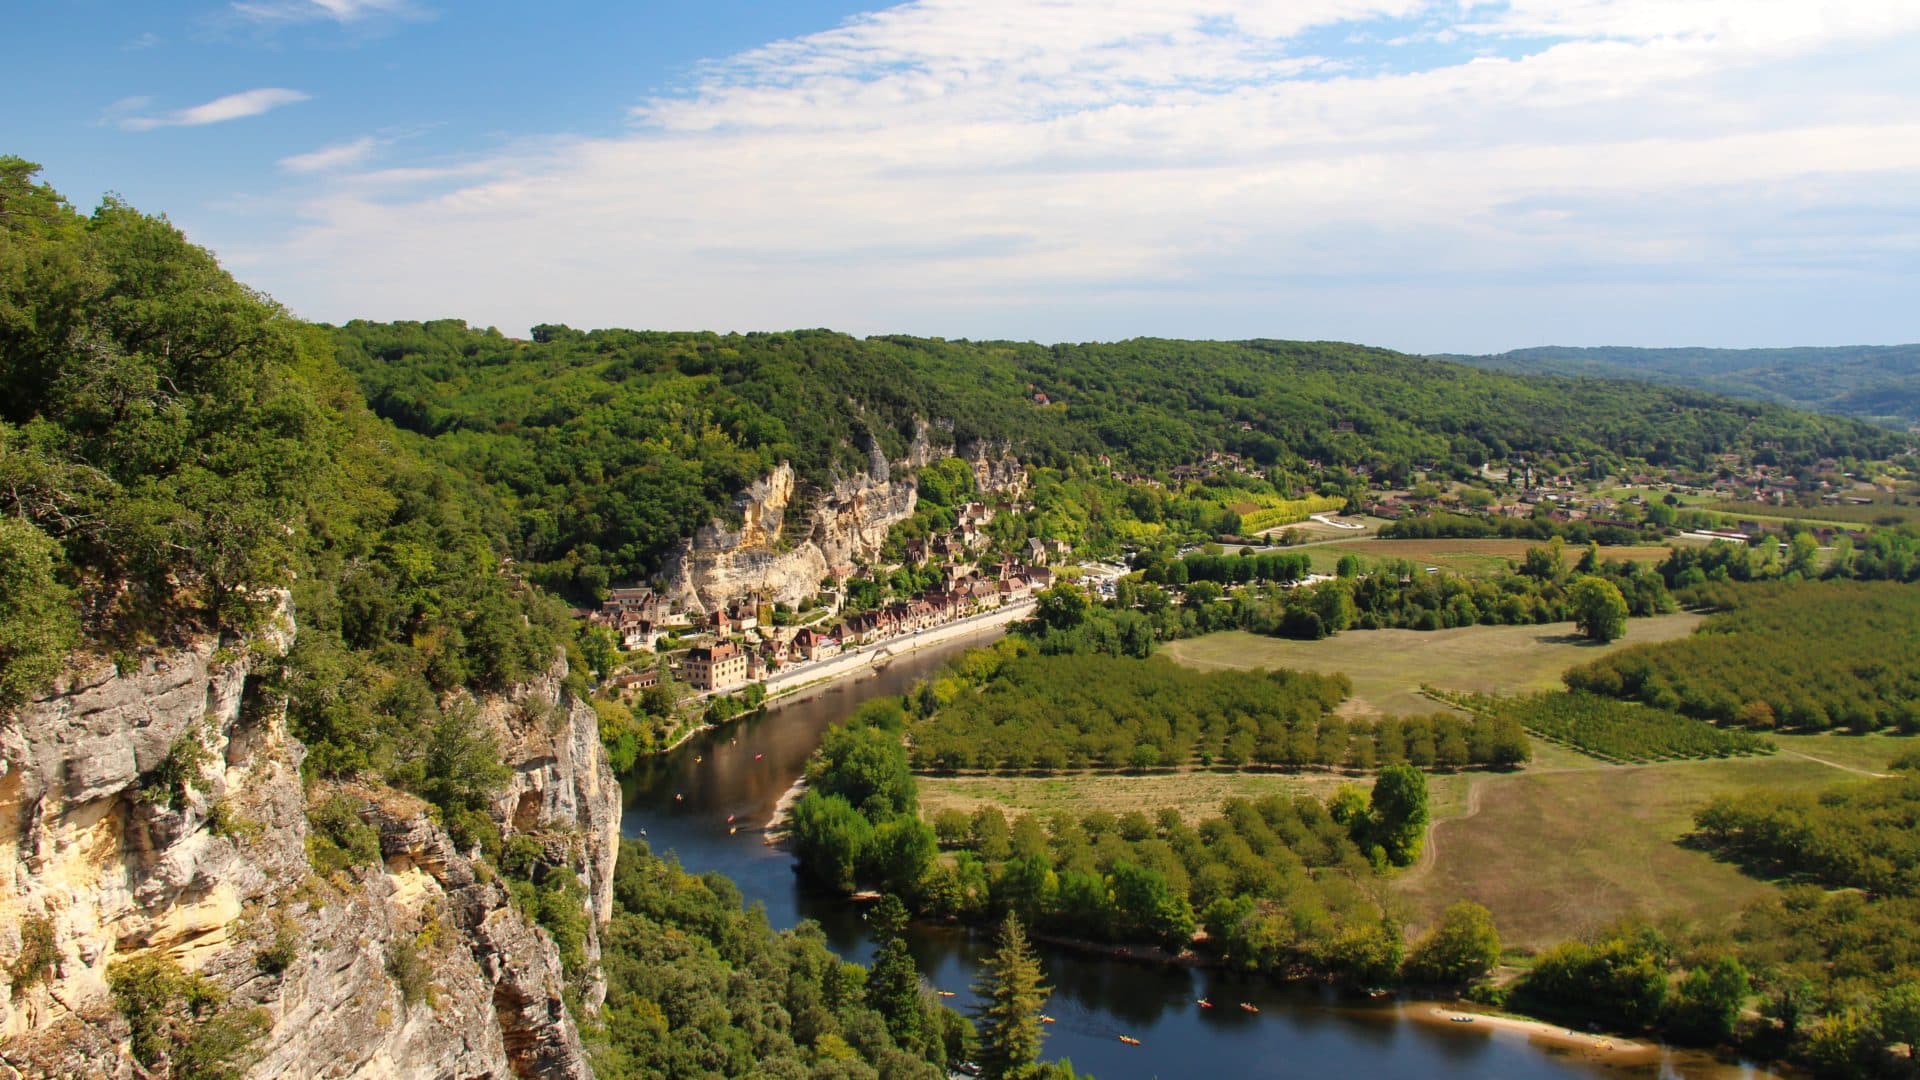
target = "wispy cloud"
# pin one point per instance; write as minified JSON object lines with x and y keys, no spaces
{"x":341,"y":11}
{"x":145,"y":41}
{"x":231,"y":107}
{"x":330,"y":158}
{"x":1093,"y":167}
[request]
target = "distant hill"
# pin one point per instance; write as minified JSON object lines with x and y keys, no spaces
{"x":1876,"y":383}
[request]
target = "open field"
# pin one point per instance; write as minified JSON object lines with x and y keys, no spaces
{"x":1473,"y":556}
{"x":1315,"y":530}
{"x":1554,"y":852}
{"x":1196,"y":794}
{"x":1865,"y":753}
{"x":1389,"y":666}
{"x":1883,"y":510}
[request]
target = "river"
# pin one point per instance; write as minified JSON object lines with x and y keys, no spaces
{"x":744,"y":768}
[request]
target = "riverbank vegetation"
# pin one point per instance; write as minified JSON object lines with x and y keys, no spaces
{"x":697,"y":986}
{"x":1290,"y":886}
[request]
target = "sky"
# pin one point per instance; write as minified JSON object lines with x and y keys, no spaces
{"x":1429,"y":176}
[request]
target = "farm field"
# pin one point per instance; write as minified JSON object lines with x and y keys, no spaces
{"x":1866,"y":753}
{"x":1197,"y":794}
{"x":1526,"y":846}
{"x":1882,"y":511}
{"x":1471,"y":556}
{"x":1388,"y":667}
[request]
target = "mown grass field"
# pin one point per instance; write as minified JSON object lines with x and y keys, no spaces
{"x":1389,"y":666}
{"x":1883,"y":510}
{"x":1554,"y":852}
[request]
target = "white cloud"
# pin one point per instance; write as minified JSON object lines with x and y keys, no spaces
{"x":341,"y":11}
{"x":231,"y":107}
{"x":330,"y":158}
{"x":1083,"y":168}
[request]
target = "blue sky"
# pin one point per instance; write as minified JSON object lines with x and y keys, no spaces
{"x":1431,"y":176}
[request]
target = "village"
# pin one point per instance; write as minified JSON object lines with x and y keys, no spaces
{"x":747,"y":640}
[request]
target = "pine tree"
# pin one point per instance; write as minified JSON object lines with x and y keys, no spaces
{"x":893,"y":986}
{"x":1010,"y":1018}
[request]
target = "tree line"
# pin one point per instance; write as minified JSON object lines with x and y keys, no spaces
{"x":1789,"y":654}
{"x":1824,"y":972}
{"x":1287,"y":886}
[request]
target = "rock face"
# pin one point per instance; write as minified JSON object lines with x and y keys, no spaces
{"x":790,"y":538}
{"x":111,"y":851}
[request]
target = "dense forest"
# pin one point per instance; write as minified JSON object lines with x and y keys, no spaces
{"x":1789,"y":654}
{"x":696,"y":986}
{"x":176,"y":450}
{"x":610,"y":445}
{"x":1879,"y":383}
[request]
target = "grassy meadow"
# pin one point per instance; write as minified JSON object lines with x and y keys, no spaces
{"x":1388,"y":667}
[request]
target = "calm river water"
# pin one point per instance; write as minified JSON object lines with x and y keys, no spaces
{"x":743,"y":770}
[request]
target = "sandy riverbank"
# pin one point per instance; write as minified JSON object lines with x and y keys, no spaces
{"x":1612,"y":1049}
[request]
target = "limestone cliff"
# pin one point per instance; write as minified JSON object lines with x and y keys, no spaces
{"x":122,"y":839}
{"x":789,"y":537}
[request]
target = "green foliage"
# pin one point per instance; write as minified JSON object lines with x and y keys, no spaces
{"x":1054,"y":712}
{"x":174,"y":447}
{"x":1012,"y":993}
{"x":184,"y":767}
{"x":948,"y":482}
{"x":1858,"y":835}
{"x":37,"y":620}
{"x":1706,"y":1005}
{"x":337,"y":837}
{"x":1610,"y":729}
{"x":39,"y":954}
{"x":696,"y":986}
{"x":615,"y":444}
{"x":411,"y":970}
{"x":1818,"y":654}
{"x":865,"y":765}
{"x":1397,"y":820}
{"x":282,"y":948}
{"x":1598,"y":608}
{"x":830,"y":838}
{"x":1463,"y":947}
{"x":1871,"y":382}
{"x":180,"y":1021}
{"x":1287,"y":512}
{"x":1620,"y":976}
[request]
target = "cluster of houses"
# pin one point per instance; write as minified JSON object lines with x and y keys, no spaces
{"x":739,"y":649}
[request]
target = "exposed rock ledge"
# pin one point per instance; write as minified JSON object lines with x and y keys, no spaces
{"x":118,"y":872}
{"x":841,"y":526}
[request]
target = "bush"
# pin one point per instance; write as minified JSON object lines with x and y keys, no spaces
{"x":180,"y":1020}
{"x":337,"y":838}
{"x":39,"y":954}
